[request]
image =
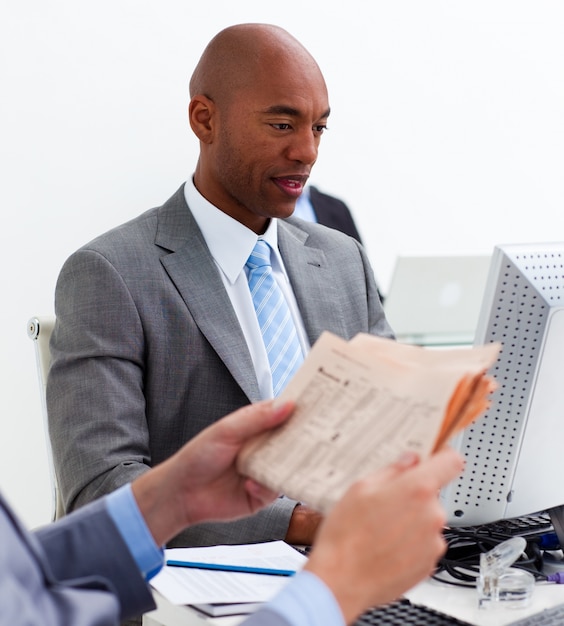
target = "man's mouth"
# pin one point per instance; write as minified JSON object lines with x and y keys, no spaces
{"x":293,"y":186}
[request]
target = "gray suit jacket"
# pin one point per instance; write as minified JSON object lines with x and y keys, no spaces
{"x":78,"y":571}
{"x":147,"y":350}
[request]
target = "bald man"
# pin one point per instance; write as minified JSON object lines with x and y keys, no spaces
{"x":156,"y":334}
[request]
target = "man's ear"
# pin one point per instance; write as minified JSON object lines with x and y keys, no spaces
{"x":201,"y":115}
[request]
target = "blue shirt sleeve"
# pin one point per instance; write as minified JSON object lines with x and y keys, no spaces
{"x":307,"y":601}
{"x":126,"y":515}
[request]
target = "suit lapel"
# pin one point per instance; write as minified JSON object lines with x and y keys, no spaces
{"x":192,"y":269}
{"x":311,"y":281}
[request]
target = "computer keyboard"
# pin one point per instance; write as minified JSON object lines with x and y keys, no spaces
{"x":526,"y":526}
{"x":404,"y":613}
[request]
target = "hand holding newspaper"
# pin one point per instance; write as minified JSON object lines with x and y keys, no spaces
{"x":359,"y":405}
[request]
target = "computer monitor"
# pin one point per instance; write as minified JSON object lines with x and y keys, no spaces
{"x":515,"y":452}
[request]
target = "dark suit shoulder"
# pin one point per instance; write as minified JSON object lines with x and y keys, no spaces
{"x":315,"y":233}
{"x":333,"y":212}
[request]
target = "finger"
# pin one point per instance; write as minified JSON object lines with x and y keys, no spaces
{"x":442,"y":467}
{"x":259,"y":492}
{"x":254,"y":419}
{"x":404,"y":462}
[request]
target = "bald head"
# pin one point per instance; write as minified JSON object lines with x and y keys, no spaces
{"x":240,"y":55}
{"x":258,"y":105}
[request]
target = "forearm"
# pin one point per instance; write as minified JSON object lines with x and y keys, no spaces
{"x":269,"y":524}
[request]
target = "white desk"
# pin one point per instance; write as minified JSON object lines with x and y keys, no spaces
{"x":168,"y":614}
{"x":455,"y":601}
{"x":463,"y":602}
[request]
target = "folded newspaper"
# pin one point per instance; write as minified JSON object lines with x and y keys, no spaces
{"x":359,"y":405}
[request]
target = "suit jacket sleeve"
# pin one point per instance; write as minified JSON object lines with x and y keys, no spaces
{"x":77,"y":571}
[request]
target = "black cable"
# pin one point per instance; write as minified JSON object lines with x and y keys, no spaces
{"x":460,"y":566}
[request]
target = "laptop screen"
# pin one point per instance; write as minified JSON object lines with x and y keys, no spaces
{"x":436,"y":300}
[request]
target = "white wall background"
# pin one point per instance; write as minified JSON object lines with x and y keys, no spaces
{"x":447,"y":134}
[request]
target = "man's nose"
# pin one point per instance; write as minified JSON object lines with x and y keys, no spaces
{"x":304,"y":147}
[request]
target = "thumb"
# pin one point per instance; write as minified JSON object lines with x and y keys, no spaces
{"x":443,"y":466}
{"x":439,"y":468}
{"x":406,"y":461}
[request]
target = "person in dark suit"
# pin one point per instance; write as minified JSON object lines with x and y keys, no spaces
{"x":90,"y":568}
{"x":156,"y":335}
{"x":316,"y":206}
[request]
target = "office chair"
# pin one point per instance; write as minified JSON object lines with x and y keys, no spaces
{"x":39,"y":329}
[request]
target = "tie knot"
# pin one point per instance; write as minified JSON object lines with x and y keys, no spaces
{"x":260,"y":256}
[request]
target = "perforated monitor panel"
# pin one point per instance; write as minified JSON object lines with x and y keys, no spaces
{"x":524,"y":292}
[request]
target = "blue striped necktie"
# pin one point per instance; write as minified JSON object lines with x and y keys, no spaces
{"x":274,"y":317}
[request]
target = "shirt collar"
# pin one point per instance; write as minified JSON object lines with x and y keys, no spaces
{"x":229,"y":241}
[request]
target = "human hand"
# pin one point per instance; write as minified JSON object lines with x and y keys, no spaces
{"x":201,"y":482}
{"x":385,"y":534}
{"x":303,"y":526}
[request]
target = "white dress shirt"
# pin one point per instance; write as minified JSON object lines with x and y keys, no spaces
{"x":230,"y":244}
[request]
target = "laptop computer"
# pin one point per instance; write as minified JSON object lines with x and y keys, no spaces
{"x":436,"y":300}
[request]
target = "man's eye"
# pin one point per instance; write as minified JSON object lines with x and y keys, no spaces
{"x":282,"y":126}
{"x":320,"y":128}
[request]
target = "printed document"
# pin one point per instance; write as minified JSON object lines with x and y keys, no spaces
{"x":197,"y":586}
{"x":359,"y":405}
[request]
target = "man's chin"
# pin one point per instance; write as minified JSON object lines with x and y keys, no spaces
{"x":285,"y":210}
